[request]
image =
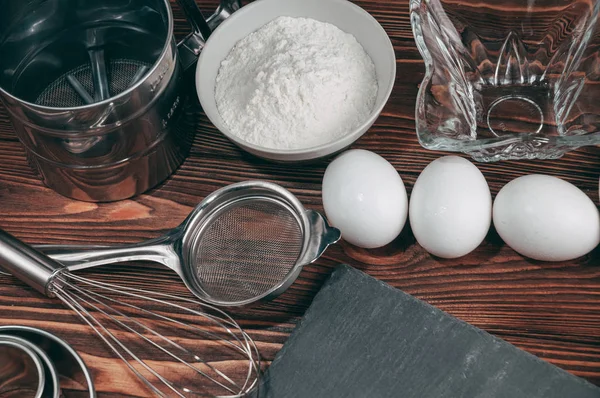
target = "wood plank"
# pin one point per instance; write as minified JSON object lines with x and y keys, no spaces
{"x":550,"y":310}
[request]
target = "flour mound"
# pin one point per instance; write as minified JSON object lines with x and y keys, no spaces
{"x":296,"y":83}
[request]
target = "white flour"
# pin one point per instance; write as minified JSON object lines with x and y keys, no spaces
{"x":294,"y":84}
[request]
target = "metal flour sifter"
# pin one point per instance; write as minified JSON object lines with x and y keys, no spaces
{"x":96,"y":89}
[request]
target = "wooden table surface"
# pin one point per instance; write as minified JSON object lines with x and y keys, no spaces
{"x":549,"y":310}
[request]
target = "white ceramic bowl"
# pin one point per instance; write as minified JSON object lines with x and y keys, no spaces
{"x":345,"y":15}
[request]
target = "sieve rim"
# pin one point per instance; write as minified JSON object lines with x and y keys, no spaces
{"x":214,"y":204}
{"x":129,"y":90}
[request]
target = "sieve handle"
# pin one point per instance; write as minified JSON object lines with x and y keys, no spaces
{"x":26,"y":263}
{"x":322,"y":235}
{"x":79,"y":257}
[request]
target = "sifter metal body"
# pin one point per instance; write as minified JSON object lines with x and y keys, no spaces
{"x":95,"y":90}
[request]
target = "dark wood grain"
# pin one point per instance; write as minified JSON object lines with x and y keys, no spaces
{"x":550,"y":310}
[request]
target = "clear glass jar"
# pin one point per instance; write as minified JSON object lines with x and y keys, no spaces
{"x":510,"y":79}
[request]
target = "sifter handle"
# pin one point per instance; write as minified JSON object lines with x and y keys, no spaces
{"x":194,"y":15}
{"x":226,"y":8}
{"x":192,"y":44}
{"x":190,"y":47}
{"x":32,"y":267}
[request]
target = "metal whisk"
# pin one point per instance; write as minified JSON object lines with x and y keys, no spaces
{"x":162,"y":346}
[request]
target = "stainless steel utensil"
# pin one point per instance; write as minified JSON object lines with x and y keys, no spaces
{"x":163,"y":348}
{"x":21,"y":371}
{"x":51,"y":384}
{"x":95,"y":90}
{"x":243,"y":243}
{"x":226,"y":8}
{"x":68,"y":364}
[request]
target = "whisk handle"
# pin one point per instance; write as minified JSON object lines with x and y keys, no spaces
{"x":32,"y":267}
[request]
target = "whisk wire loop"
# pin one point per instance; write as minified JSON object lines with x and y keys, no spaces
{"x":79,"y":294}
{"x":74,"y":305}
{"x":149,"y":330}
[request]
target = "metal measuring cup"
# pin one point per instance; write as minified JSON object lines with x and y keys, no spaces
{"x":21,"y":371}
{"x":66,"y":360}
{"x":51,"y":384}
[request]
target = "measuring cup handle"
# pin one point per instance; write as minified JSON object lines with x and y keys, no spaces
{"x":74,"y":257}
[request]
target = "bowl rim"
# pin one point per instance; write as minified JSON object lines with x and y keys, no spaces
{"x":43,"y":356}
{"x":39,"y":365}
{"x":88,"y":377}
{"x":315,"y":151}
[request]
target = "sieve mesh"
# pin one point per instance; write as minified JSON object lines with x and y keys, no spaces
{"x":61,"y":94}
{"x":248,"y":249}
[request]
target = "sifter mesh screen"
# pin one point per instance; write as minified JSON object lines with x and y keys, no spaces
{"x":248,"y":249}
{"x":61,"y":94}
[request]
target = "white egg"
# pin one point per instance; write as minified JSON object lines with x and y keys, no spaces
{"x":450,"y":207}
{"x":546,"y":218}
{"x":365,"y":198}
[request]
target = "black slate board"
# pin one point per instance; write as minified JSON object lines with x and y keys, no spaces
{"x":363,"y":338}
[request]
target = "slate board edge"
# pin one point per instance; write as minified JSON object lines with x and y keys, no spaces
{"x":342,"y":269}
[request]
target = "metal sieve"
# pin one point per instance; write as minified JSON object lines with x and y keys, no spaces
{"x":77,"y":87}
{"x":243,"y":243}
